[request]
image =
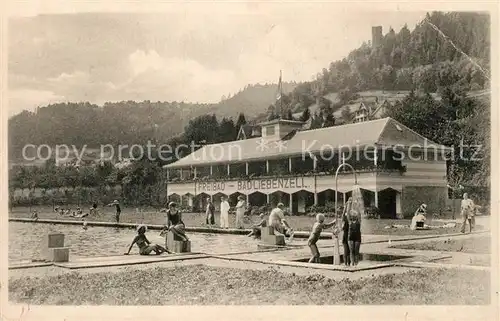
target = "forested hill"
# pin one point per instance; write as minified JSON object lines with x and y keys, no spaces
{"x":422,"y":59}
{"x":128,"y":122}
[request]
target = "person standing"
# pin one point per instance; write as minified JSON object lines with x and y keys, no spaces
{"x":224,"y":213}
{"x":345,"y":233}
{"x":467,"y":208}
{"x":354,"y":238}
{"x":118,"y":210}
{"x":240,"y":212}
{"x":210,"y":213}
{"x":318,"y":227}
{"x":277,"y":220}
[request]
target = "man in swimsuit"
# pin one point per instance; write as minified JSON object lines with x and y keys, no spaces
{"x":144,"y":245}
{"x":118,"y":210}
{"x":318,"y":227}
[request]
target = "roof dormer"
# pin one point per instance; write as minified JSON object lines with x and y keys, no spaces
{"x":279,"y":128}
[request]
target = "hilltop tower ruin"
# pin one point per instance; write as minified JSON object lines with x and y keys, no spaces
{"x":376,"y":36}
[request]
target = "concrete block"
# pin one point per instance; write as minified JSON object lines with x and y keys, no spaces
{"x":268,"y":230}
{"x":175,"y":244}
{"x":172,"y":237}
{"x":58,"y":254}
{"x":273,"y":239}
{"x":180,"y":246}
{"x":54,"y":240}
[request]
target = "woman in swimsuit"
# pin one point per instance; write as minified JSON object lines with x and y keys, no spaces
{"x":174,"y":222}
{"x":145,"y":247}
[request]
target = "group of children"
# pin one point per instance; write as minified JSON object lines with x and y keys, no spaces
{"x":351,"y":228}
{"x":67,"y":212}
{"x":92,"y":211}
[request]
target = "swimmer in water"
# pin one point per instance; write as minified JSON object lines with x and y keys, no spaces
{"x":145,"y":246}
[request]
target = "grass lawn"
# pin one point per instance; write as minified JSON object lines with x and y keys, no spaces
{"x":202,"y":285}
{"x":299,"y":223}
{"x":476,"y":245}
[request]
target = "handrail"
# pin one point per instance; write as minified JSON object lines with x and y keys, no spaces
{"x":320,"y":173}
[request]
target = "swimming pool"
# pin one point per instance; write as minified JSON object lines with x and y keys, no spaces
{"x":25,"y":241}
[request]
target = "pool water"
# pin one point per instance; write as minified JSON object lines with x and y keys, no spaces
{"x":363,"y":257}
{"x":25,"y":240}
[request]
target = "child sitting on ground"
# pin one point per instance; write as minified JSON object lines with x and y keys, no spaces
{"x":145,"y":247}
{"x":256,"y":228}
{"x":318,"y":227}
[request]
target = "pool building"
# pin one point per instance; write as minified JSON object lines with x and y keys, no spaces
{"x":396,"y":168}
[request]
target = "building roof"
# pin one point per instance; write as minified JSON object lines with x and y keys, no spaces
{"x":248,"y":131}
{"x":380,"y":132}
{"x":245,"y":131}
{"x":282,"y":121}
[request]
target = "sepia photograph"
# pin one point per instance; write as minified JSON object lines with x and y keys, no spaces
{"x":250,"y":154}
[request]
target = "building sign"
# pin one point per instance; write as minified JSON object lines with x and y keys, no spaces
{"x":252,"y":185}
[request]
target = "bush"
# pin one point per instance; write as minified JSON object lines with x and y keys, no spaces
{"x":186,"y":209}
{"x":372,"y":212}
{"x":328,"y":210}
{"x":315,"y":209}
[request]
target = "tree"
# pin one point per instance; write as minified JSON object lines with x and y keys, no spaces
{"x":271,"y":113}
{"x":227,"y":130}
{"x":241,"y":121}
{"x":202,"y":130}
{"x":346,"y":115}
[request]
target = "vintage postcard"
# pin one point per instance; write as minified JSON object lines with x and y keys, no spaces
{"x":317,"y":160}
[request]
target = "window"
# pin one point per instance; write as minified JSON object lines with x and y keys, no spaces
{"x":270,"y":130}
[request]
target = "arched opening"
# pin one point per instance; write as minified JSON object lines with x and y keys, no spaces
{"x":279,"y":197}
{"x":302,"y":200}
{"x":387,"y":203}
{"x":257,"y":199}
{"x":187,"y":200}
{"x":200,"y":202}
{"x":174,"y":197}
{"x":217,"y":199}
{"x":233,"y":198}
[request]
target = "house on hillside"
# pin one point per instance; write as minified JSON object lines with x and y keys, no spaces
{"x":363,"y":111}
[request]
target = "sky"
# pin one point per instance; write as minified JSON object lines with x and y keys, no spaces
{"x":183,"y":52}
